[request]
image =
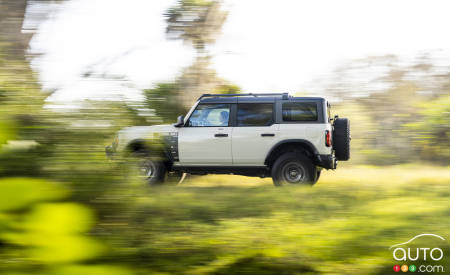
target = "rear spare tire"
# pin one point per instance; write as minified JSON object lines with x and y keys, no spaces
{"x":341,"y":138}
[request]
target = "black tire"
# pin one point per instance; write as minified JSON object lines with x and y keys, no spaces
{"x":341,"y":138}
{"x":317,"y":176}
{"x":151,"y":169}
{"x":293,"y":168}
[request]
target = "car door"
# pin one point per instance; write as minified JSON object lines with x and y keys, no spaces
{"x":206,"y":137}
{"x":254,"y":134}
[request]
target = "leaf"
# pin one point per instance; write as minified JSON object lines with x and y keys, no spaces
{"x":18,"y":193}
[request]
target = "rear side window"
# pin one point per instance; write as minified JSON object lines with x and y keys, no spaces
{"x":299,"y":111}
{"x":254,"y":114}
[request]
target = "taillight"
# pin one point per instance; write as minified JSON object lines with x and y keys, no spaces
{"x":327,"y":138}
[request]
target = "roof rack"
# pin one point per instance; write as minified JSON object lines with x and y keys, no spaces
{"x":283,"y":95}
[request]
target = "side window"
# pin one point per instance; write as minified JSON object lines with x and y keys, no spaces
{"x":299,"y":111}
{"x":254,"y":114}
{"x":210,"y":115}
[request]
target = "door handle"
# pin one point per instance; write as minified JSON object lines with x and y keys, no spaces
{"x":267,"y":135}
{"x":221,"y":135}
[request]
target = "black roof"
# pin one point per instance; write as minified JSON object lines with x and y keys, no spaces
{"x":261,"y":98}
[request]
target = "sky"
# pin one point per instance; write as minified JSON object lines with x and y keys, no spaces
{"x":265,"y":46}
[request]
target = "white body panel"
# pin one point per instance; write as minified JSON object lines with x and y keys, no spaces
{"x":249,"y":147}
{"x":313,"y":133}
{"x":200,"y":146}
{"x":244,"y":146}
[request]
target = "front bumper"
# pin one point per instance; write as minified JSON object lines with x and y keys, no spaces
{"x":326,"y":161}
{"x":109,"y":151}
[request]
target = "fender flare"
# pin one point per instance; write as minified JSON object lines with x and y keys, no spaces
{"x":305,"y":142}
{"x":164,"y":150}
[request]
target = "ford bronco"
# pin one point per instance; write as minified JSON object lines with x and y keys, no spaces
{"x":290,"y":139}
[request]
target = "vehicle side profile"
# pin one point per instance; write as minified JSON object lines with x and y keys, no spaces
{"x":290,"y":139}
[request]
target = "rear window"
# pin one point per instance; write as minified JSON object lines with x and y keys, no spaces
{"x":255,"y":114}
{"x":299,"y":111}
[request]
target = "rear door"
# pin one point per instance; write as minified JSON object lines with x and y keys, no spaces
{"x":255,"y":132}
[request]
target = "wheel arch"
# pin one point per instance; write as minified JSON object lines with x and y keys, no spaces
{"x":141,"y":144}
{"x":135,"y":145}
{"x":288,"y":145}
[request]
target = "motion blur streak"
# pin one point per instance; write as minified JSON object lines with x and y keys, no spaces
{"x":66,"y":209}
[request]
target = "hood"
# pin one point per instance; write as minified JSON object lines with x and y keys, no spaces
{"x":128,"y":134}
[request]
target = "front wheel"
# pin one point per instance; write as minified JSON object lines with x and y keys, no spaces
{"x":293,"y":168}
{"x":152,"y":171}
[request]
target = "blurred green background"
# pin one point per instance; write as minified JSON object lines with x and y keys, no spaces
{"x":65,"y":209}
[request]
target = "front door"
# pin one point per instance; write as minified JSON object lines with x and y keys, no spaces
{"x":206,"y":138}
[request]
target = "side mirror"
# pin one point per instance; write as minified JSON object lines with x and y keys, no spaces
{"x":180,"y":122}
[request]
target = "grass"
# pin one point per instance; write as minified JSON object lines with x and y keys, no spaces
{"x":239,"y":225}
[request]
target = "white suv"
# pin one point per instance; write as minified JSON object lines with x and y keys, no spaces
{"x":288,"y":138}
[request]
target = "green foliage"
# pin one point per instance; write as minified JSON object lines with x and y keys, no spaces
{"x":431,"y":129}
{"x":228,"y":89}
{"x":90,"y":270}
{"x":164,"y":101}
{"x":7,"y":131}
{"x":228,"y":224}
{"x":42,"y":229}
{"x":401,"y":113}
{"x":64,"y":209}
{"x":22,"y":192}
{"x":362,"y":128}
{"x":53,"y":234}
{"x":43,"y":234}
{"x":398,"y":126}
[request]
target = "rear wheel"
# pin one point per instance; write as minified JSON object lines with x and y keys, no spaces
{"x":293,"y":168}
{"x":317,"y":175}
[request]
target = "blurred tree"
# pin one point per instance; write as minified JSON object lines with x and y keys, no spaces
{"x":430,"y":129}
{"x":164,"y":101}
{"x":21,"y":101}
{"x":42,"y":232}
{"x":11,"y":20}
{"x":389,"y":110}
{"x":403,"y":103}
{"x":197,"y":22}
